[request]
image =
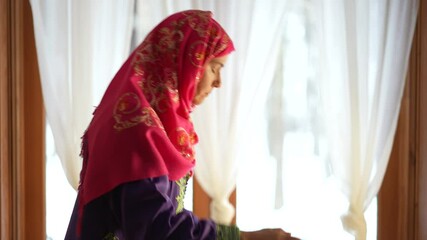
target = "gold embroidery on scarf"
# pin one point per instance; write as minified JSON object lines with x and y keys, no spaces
{"x":182,"y":138}
{"x":111,"y":236}
{"x":157,"y":94}
{"x":170,"y":40}
{"x":144,"y":54}
{"x":150,"y":118}
{"x":197,"y":55}
{"x":128,"y":113}
{"x":184,"y":144}
{"x":182,"y":184}
{"x":222,"y":45}
{"x":172,"y":84}
{"x":193,"y":138}
{"x":158,"y":89}
{"x":198,"y":21}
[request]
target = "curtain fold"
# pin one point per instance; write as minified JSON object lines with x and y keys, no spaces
{"x":80,"y":45}
{"x":365,"y":47}
{"x":230,"y":117}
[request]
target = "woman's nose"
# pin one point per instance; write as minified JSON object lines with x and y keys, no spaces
{"x":217,"y":82}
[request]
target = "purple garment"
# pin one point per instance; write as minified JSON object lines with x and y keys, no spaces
{"x":145,"y":210}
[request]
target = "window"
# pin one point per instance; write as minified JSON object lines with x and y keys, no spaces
{"x":286,"y":181}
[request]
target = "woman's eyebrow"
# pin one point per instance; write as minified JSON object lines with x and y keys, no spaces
{"x":217,"y":62}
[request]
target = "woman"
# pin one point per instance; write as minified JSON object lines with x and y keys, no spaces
{"x":138,"y":149}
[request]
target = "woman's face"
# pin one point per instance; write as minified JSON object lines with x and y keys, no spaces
{"x":211,"y":79}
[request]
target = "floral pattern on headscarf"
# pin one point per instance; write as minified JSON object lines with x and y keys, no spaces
{"x":167,"y":64}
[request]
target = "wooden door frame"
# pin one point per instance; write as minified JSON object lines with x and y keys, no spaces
{"x":421,"y":171}
{"x":5,"y":121}
{"x":22,"y":158}
{"x":402,"y":200}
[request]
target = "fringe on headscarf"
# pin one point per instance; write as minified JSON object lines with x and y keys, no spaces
{"x":84,"y":154}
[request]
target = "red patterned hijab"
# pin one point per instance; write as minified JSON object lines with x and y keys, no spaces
{"x":142,"y":127}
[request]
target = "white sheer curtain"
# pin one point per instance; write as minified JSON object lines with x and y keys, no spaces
{"x":284,"y":181}
{"x":80,"y":46}
{"x":228,"y":118}
{"x":364,"y":56}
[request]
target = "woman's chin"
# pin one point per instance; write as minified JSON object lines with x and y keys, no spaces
{"x":196,"y":103}
{"x":198,"y":100}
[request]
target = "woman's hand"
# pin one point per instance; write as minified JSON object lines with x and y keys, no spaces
{"x":267,"y":234}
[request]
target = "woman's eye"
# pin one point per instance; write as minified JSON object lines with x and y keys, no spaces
{"x":213,"y":70}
